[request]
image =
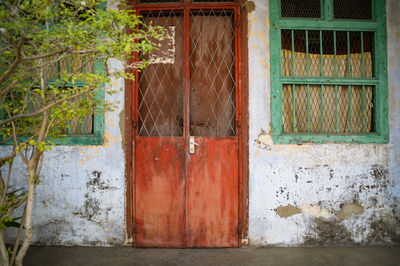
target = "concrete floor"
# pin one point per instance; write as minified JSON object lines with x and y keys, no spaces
{"x":117,"y":256}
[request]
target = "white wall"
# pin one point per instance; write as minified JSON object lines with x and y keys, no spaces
{"x":81,"y":197}
{"x":313,"y":193}
{"x":299,"y":194}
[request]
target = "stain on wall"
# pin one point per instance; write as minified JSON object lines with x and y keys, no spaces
{"x":324,"y":232}
{"x":320,"y":194}
{"x":249,"y":6}
{"x":286,"y":211}
{"x":310,"y":194}
{"x":350,"y":209}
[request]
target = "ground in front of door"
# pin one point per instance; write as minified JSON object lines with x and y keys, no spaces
{"x":118,"y":256}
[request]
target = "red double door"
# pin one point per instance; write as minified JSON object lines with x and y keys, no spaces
{"x":186,"y":143}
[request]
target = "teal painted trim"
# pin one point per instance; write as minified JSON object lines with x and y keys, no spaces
{"x":70,"y":64}
{"x":330,"y":138}
{"x":78,"y":140}
{"x":363,"y":107}
{"x":322,"y":108}
{"x":348,"y":55}
{"x":334,"y":52}
{"x":56,"y":83}
{"x":317,"y":24}
{"x":380,"y":82}
{"x":98,"y":120}
{"x":350,"y":112}
{"x":321,"y":53}
{"x":381,"y":69}
{"x":69,"y":140}
{"x":307,"y":59}
{"x":308,"y":108}
{"x":336,"y":109}
{"x":362,"y":55}
{"x":328,"y":9}
{"x":330,"y":80}
{"x":275,"y":63}
{"x":293,"y":56}
{"x":294,"y":107}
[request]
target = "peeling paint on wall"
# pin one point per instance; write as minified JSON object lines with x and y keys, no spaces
{"x":287,"y":211}
{"x":320,"y":194}
{"x":324,"y":232}
{"x":312,"y":194}
{"x":315,"y":211}
{"x":350,"y":209}
{"x":249,"y":6}
{"x":264,"y":141}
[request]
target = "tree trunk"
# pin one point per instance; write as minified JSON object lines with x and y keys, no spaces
{"x":3,"y":250}
{"x":28,"y":216}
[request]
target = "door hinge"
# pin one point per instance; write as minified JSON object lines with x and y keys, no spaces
{"x":134,"y":123}
{"x":135,"y":229}
{"x":239,"y":229}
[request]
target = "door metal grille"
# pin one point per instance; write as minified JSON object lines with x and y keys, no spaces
{"x":212,"y":73}
{"x":160,"y":109}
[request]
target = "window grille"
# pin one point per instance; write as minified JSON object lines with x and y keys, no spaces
{"x":321,"y":108}
{"x":73,"y":64}
{"x":301,"y":9}
{"x":329,"y":80}
{"x":355,"y":9}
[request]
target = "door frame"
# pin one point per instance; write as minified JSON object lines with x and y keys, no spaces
{"x":243,"y":125}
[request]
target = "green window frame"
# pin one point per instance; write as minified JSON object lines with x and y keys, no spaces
{"x":96,"y":138}
{"x":378,"y":81}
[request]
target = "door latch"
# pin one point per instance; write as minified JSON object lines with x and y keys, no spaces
{"x":192,"y":144}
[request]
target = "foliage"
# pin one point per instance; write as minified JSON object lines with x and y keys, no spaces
{"x":51,"y":53}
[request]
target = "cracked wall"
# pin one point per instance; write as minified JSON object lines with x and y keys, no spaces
{"x":325,"y":194}
{"x":320,"y":194}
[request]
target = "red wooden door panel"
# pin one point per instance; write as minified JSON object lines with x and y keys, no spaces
{"x":212,"y":194}
{"x":190,"y":88}
{"x":160,"y":192}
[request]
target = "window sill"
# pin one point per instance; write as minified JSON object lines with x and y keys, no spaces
{"x":78,"y":140}
{"x":330,"y":138}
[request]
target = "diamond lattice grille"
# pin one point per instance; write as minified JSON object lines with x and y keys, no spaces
{"x":327,"y":108}
{"x":161,"y":83}
{"x":212,"y":73}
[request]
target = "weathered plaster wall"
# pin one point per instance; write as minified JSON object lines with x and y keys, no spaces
{"x":320,"y":194}
{"x":81,"y":197}
{"x":299,"y":194}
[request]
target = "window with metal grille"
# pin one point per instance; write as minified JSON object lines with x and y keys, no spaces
{"x":328,"y":76}
{"x":89,"y":129}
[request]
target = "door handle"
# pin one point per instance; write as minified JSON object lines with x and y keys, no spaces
{"x":192,"y":144}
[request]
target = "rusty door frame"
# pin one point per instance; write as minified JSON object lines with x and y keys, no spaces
{"x":241,"y":54}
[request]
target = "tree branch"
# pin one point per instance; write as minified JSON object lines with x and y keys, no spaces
{"x":10,"y":119}
{"x":21,"y":226}
{"x":16,"y":62}
{"x":44,"y":55}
